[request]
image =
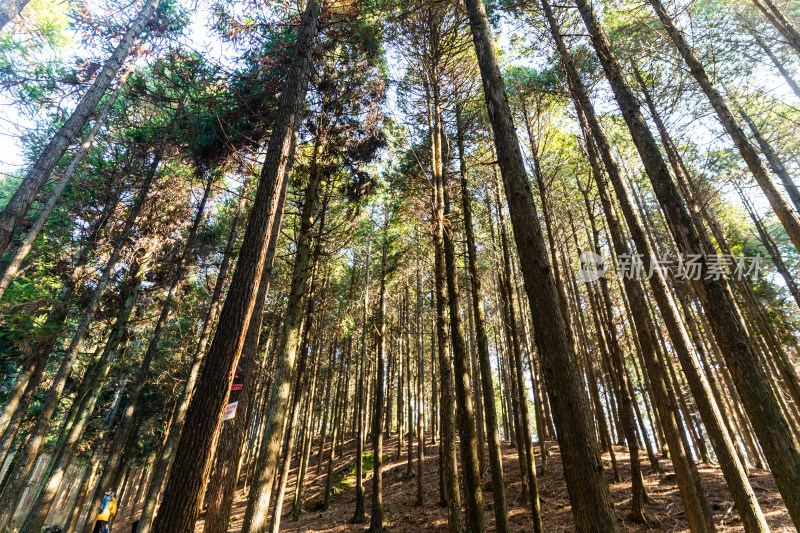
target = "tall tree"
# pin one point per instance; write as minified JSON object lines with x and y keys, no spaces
{"x":587,"y":486}
{"x":482,"y":341}
{"x":181,"y":503}
{"x":465,"y":409}
{"x":770,"y":423}
{"x":376,"y":515}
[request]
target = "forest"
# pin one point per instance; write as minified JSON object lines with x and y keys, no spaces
{"x":399,"y":265}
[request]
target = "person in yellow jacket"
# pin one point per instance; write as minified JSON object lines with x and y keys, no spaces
{"x":108,"y":508}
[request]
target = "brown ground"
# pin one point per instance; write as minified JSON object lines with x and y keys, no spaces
{"x":665,"y":510}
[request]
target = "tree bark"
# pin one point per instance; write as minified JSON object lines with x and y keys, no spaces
{"x":338,"y":419}
{"x":447,"y":458}
{"x":588,"y":489}
{"x":181,"y":503}
{"x":36,"y":440}
{"x":482,"y":341}
{"x":602,"y":422}
{"x":155,"y":483}
{"x":113,"y":467}
{"x":694,"y":501}
{"x":774,"y":161}
{"x":518,"y":390}
{"x":294,"y":411}
{"x":626,"y":411}
{"x":376,"y":515}
{"x":465,"y":410}
{"x":10,"y":9}
{"x":283,"y":372}
{"x":358,"y":515}
{"x":27,"y":380}
{"x":326,"y":403}
{"x":308,"y":437}
{"x":781,"y":23}
{"x":735,"y":473}
{"x":775,"y":61}
{"x":409,"y":386}
{"x":772,"y":248}
{"x":474,"y":371}
{"x":59,"y":465}
{"x":771,"y":425}
{"x":307,"y":362}
{"x":222,"y":484}
{"x":420,"y":335}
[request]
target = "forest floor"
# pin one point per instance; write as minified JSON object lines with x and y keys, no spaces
{"x":665,"y":510}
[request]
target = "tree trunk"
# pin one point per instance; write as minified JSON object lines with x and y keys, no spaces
{"x":161,"y":472}
{"x":626,"y":412}
{"x":402,"y":364}
{"x":772,"y":427}
{"x":691,"y":492}
{"x":435,"y":407}
{"x":448,"y":460}
{"x":602,"y":422}
{"x":303,"y":430}
{"x":10,"y":9}
{"x":36,"y":440}
{"x":781,"y":23}
{"x":518,"y":390}
{"x":623,"y":386}
{"x":507,"y":319}
{"x":474,"y":371}
{"x":27,"y":380}
{"x":637,"y":350}
{"x":338,"y":420}
{"x":222,"y":484}
{"x":420,"y":335}
{"x":701,"y":352}
{"x":305,"y":361}
{"x":41,"y":218}
{"x":533,"y":372}
{"x":775,"y":61}
{"x":554,"y":261}
{"x":788,"y":217}
{"x":34,"y":180}
{"x":376,"y":515}
{"x":409,"y":386}
{"x":305,"y":448}
{"x":482,"y":341}
{"x":588,"y":489}
{"x":735,"y":473}
{"x":261,"y":490}
{"x":326,"y":405}
{"x":465,"y":410}
{"x":502,"y":385}
{"x":181,"y":503}
{"x":113,"y":466}
{"x":358,"y":515}
{"x":772,"y":248}
{"x":84,"y":407}
{"x":390,"y":373}
{"x":774,"y":161}
{"x":694,"y":502}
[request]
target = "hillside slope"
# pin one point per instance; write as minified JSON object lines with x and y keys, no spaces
{"x":665,"y":510}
